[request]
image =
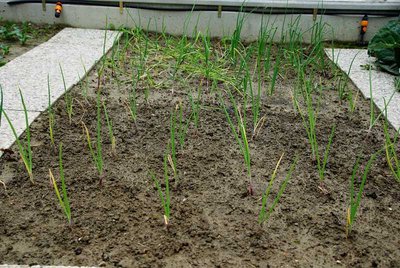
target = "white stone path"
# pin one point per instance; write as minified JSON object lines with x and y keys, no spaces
{"x":383,"y":88}
{"x":73,"y":49}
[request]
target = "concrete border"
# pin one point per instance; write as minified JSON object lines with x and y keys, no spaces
{"x":339,"y":27}
{"x":351,"y":61}
{"x":76,"y":50}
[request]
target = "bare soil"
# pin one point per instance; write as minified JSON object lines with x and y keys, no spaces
{"x":213,"y":219}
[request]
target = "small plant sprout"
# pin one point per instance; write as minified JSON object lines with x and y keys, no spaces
{"x":172,"y":143}
{"x":51,"y":114}
{"x":240,"y":135}
{"x":24,"y":149}
{"x":62,"y":199}
{"x":390,"y":150}
{"x":264,"y":214}
{"x":68,"y":97}
{"x":110,"y":130}
{"x":165,"y":197}
{"x":97,"y":155}
{"x":355,"y":200}
{"x":195,"y":107}
{"x":182,"y":126}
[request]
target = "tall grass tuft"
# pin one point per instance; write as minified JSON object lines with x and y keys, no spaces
{"x":240,"y":134}
{"x":24,"y":149}
{"x":62,"y":199}
{"x":264,"y":214}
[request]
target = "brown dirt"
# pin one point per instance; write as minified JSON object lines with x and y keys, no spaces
{"x":213,"y":220}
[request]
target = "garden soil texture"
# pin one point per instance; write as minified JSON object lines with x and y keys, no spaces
{"x":214,"y":219}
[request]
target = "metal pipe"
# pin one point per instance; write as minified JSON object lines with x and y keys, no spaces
{"x":388,"y":8}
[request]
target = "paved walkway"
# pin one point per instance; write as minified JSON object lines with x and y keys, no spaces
{"x":383,"y":88}
{"x":72,"y":49}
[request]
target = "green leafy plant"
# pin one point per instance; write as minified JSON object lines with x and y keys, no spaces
{"x":5,"y":49}
{"x":24,"y":148}
{"x":62,"y":199}
{"x":165,"y":197}
{"x":355,"y":199}
{"x":11,"y":31}
{"x":385,"y":46}
{"x":264,"y":214}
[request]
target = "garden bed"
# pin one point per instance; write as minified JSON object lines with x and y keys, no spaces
{"x":18,"y":38}
{"x":118,"y":220}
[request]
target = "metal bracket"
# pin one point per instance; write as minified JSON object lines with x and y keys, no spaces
{"x":121,"y":7}
{"x":219,"y":12}
{"x":315,"y":14}
{"x":44,"y":5}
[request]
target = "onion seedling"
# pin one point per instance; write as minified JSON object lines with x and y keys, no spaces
{"x":182,"y":126}
{"x":275,"y":72}
{"x":51,"y":114}
{"x":97,"y":155}
{"x":310,"y":125}
{"x":207,"y":54}
{"x":235,"y":39}
{"x":172,"y":142}
{"x":195,"y":106}
{"x":110,"y":130}
{"x":165,"y":197}
{"x":25,"y":149}
{"x":355,"y":200}
{"x":390,"y":150}
{"x":62,"y":199}
{"x":264,"y":214}
{"x":68,"y":98}
{"x":240,"y":135}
